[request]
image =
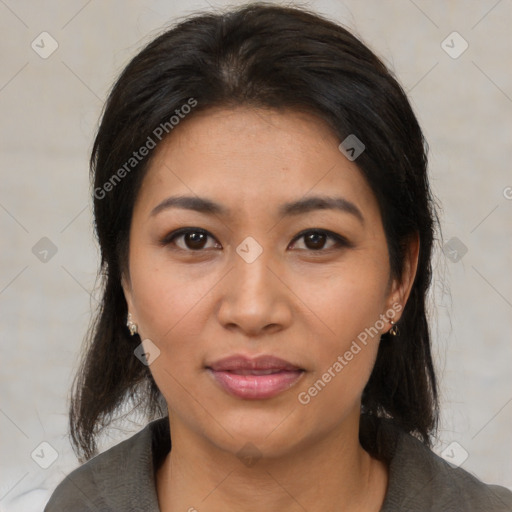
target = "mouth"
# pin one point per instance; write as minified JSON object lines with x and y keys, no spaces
{"x":254,"y":378}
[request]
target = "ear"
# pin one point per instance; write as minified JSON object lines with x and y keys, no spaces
{"x":127,"y":290}
{"x":401,"y":286}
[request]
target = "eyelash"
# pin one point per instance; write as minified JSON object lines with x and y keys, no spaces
{"x":341,"y":242}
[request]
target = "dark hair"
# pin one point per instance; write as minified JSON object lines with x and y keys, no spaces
{"x":273,"y":57}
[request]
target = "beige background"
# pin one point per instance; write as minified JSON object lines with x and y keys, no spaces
{"x":49,"y":111}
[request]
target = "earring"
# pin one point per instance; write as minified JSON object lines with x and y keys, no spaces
{"x":394,"y":328}
{"x":132,"y":327}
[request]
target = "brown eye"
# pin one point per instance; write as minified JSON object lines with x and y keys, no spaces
{"x":316,"y":239}
{"x":191,"y":239}
{"x":195,"y":240}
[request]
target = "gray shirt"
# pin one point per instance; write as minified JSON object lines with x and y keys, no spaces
{"x":122,"y":479}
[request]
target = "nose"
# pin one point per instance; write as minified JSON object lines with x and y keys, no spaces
{"x":254,"y":298}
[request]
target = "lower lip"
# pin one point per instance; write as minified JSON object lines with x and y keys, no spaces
{"x":256,"y":387}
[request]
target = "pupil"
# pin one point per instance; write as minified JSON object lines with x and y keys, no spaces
{"x":318,"y":240}
{"x":195,"y":239}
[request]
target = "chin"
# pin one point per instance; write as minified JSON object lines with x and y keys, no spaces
{"x":270,"y":434}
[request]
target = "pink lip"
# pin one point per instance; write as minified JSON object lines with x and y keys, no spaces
{"x":249,"y":378}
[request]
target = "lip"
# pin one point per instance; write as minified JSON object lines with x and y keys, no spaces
{"x":262,"y":362}
{"x":255,"y":378}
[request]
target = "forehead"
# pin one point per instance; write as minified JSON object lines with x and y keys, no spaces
{"x":253,"y":157}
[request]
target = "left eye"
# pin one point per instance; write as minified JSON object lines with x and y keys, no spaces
{"x":315,"y":240}
{"x":195,"y":239}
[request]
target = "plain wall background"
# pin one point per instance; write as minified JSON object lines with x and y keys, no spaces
{"x":50,"y":108}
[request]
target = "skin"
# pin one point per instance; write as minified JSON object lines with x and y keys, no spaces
{"x":301,"y":304}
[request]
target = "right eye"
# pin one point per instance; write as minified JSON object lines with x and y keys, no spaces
{"x":192,"y":239}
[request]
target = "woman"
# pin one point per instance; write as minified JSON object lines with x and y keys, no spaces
{"x":266,"y":224}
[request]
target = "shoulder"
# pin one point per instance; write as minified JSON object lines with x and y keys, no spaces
{"x":420,"y":480}
{"x":430,"y":482}
{"x":113,"y":480}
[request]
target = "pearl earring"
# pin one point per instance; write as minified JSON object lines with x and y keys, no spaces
{"x":132,"y":327}
{"x":394,"y":328}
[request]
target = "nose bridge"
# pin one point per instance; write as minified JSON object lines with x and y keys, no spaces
{"x":253,"y":278}
{"x":253,"y":296}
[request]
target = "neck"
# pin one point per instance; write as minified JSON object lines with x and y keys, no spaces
{"x":327,"y":474}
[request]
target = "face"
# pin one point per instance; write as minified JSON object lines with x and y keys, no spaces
{"x":265,"y":314}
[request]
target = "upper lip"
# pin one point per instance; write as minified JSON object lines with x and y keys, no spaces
{"x":263,"y":362}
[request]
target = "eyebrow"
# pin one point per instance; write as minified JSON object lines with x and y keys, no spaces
{"x":299,"y":207}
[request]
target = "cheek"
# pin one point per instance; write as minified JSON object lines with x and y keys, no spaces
{"x":171,"y":309}
{"x":345,"y":299}
{"x":347,"y":315}
{"x":167,"y":297}
{"x":173,"y":305}
{"x":344,"y":358}
{"x":334,"y":393}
